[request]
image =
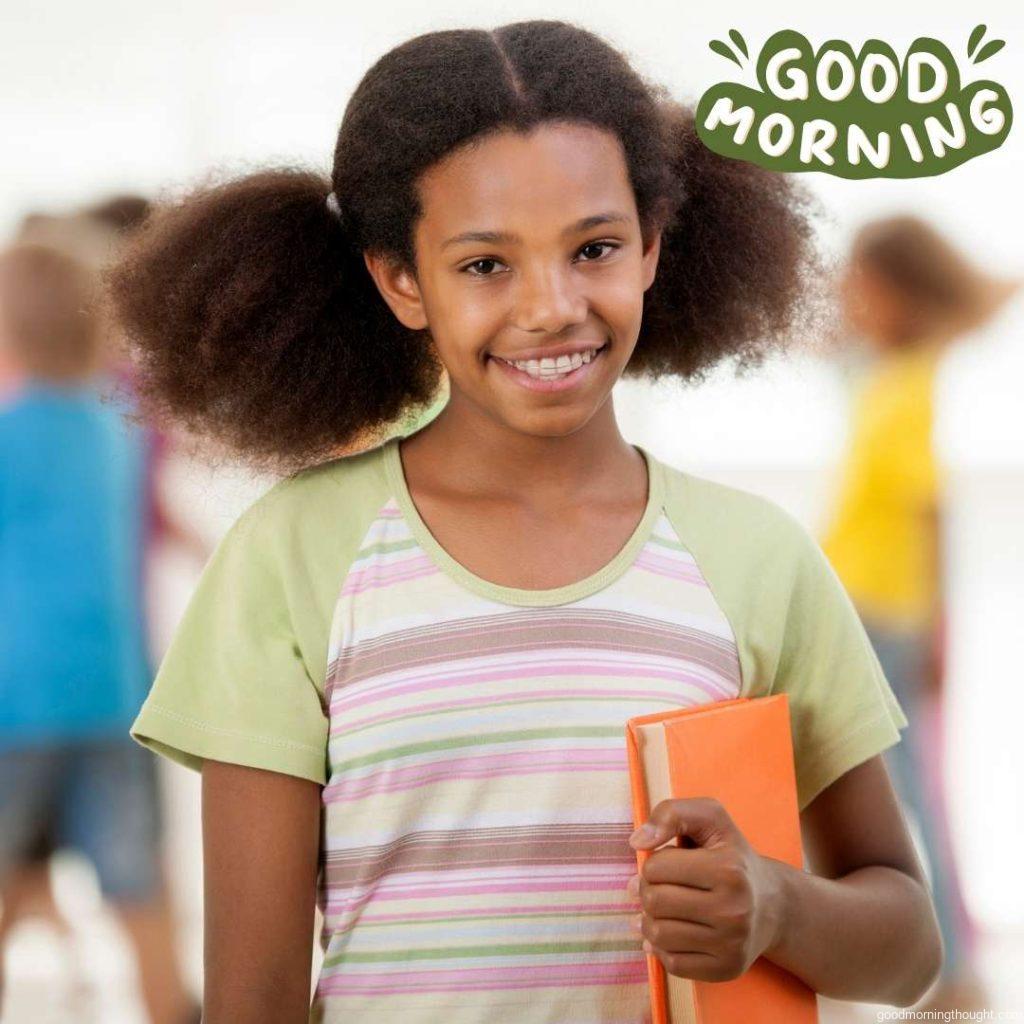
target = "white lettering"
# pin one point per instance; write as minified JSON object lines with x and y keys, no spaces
{"x":797,"y":87}
{"x":890,"y":74}
{"x":816,"y":139}
{"x":722,"y":113}
{"x":785,"y":136}
{"x":939,"y":137}
{"x":913,"y":146}
{"x":915,"y":63}
{"x":830,"y":59}
{"x":988,"y":122}
{"x":857,"y":143}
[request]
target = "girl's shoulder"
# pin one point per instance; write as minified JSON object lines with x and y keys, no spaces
{"x":302,"y":534}
{"x":764,"y":567}
{"x":795,"y":628}
{"x":332,"y":497}
{"x":729,"y":524}
{"x":278,"y":569}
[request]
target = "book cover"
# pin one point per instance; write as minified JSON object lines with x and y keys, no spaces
{"x":739,"y":752}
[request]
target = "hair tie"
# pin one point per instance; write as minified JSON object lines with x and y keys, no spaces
{"x":334,"y":206}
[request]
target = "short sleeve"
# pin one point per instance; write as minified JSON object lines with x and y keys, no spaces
{"x":233,"y":685}
{"x":842,"y":708}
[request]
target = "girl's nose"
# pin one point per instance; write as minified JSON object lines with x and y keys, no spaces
{"x":549,"y":301}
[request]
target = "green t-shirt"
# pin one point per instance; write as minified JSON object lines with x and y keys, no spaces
{"x":470,"y":737}
{"x":244,"y":678}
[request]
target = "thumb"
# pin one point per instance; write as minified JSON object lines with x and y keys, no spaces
{"x":700,"y":819}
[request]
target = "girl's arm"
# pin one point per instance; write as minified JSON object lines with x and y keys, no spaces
{"x":862,"y":926}
{"x":261,"y":836}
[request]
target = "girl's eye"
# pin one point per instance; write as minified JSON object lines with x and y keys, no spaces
{"x":489,"y":260}
{"x":598,"y":245}
{"x":476,"y":263}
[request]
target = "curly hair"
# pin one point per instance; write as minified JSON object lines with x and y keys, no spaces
{"x":252,"y":318}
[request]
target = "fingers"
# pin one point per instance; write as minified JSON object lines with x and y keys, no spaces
{"x":671,"y":936}
{"x":697,"y":867}
{"x":677,"y":902}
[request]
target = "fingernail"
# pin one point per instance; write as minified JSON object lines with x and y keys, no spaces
{"x":643,"y":835}
{"x":633,"y":886}
{"x":648,"y":948}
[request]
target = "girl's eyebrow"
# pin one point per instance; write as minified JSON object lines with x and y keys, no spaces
{"x":585,"y":223}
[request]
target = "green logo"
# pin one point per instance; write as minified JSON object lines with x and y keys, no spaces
{"x":855,"y":115}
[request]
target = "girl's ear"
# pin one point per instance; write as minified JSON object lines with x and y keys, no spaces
{"x":652,"y":251}
{"x":399,"y":289}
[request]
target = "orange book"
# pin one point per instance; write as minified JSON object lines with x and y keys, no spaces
{"x":739,"y":752}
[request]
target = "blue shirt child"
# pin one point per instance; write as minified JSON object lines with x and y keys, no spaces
{"x":74,"y":660}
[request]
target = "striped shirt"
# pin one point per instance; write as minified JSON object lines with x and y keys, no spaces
{"x":470,"y":737}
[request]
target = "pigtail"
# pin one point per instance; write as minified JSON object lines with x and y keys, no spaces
{"x":250,"y":318}
{"x":740,"y":273}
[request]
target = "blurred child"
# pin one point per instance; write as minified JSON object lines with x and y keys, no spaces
{"x":94,"y":235}
{"x":910,"y":295}
{"x":73,"y":660}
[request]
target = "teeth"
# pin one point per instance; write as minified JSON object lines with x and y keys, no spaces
{"x":553,"y":369}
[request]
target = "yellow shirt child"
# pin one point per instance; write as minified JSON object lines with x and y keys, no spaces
{"x":881,"y":540}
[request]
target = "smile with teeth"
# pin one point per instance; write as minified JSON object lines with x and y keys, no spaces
{"x":553,"y":369}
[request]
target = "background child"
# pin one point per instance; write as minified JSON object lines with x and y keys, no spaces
{"x":909,"y":295}
{"x":405,"y":674}
{"x":73,"y":661}
{"x":93,"y":235}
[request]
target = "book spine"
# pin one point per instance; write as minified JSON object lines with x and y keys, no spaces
{"x":655,"y":969}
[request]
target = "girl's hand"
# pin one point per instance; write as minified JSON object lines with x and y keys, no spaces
{"x":710,"y":909}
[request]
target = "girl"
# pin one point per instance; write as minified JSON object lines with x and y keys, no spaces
{"x":910,"y":295}
{"x":405,"y":674}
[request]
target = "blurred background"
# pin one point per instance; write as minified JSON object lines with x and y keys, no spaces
{"x":903,"y":433}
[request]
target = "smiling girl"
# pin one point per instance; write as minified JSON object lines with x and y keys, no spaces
{"x":405,"y":673}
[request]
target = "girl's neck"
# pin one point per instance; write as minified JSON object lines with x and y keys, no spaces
{"x":477,"y":456}
{"x":931,"y":342}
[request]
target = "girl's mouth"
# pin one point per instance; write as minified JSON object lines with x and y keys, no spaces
{"x":549,"y":380}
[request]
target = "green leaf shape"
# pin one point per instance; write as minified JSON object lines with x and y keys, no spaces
{"x":739,"y":42}
{"x":723,"y":51}
{"x":972,"y":43}
{"x":993,"y":46}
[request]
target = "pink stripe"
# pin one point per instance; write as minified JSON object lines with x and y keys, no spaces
{"x":616,"y":879}
{"x":525,"y":696}
{"x":343,"y":981}
{"x":561,"y":908}
{"x":377,"y":577}
{"x":687,"y":572}
{"x":517,"y":670}
{"x":459,"y":769}
{"x":389,"y":889}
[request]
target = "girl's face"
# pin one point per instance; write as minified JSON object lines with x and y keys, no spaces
{"x":872,"y":307}
{"x":528,"y":247}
